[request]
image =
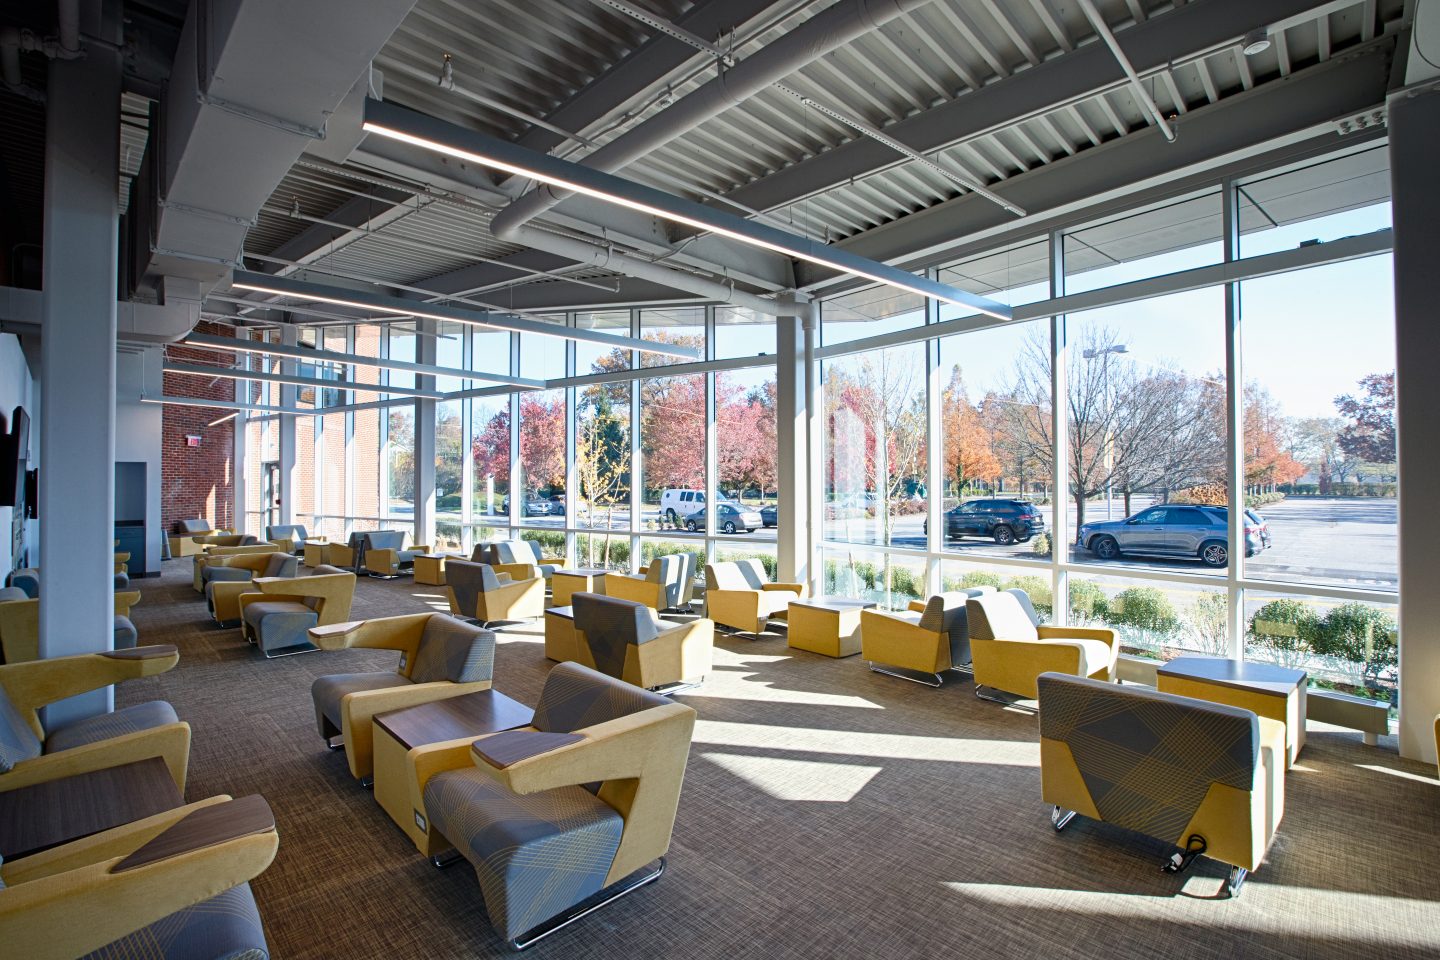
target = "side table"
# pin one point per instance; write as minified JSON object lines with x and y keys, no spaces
{"x":401,"y":735}
{"x":829,"y":626}
{"x":1263,"y":688}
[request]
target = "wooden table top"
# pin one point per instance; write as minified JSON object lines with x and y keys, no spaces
{"x":48,"y":814}
{"x":1241,"y":674}
{"x":455,"y":718}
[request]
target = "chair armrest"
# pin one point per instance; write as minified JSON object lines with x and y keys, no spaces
{"x":504,"y":578}
{"x":552,"y":560}
{"x":421,"y":548}
{"x":38,"y":917}
{"x":170,"y":743}
{"x":1104,"y":634}
{"x":795,"y":588}
{"x":124,"y":600}
{"x":916,"y":606}
{"x":35,"y":683}
{"x":383,"y":633}
{"x":615,"y":749}
{"x":511,"y":746}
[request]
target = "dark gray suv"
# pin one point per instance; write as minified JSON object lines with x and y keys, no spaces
{"x":1173,"y":530}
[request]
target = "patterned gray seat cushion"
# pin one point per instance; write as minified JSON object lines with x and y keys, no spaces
{"x":453,"y":650}
{"x":126,"y":636}
{"x":610,"y":626}
{"x":131,"y":719}
{"x":575,"y":697}
{"x":27,"y":579}
{"x":13,"y":593}
{"x":281,"y":565}
{"x":226,"y":927}
{"x":236,"y":574}
{"x":122,"y":581}
{"x":327,"y":692}
{"x":467,"y":581}
{"x":384,"y":540}
{"x":280,"y":623}
{"x":18,"y":740}
{"x":535,"y":855}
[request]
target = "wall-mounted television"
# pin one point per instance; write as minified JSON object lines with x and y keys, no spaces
{"x":14,"y":454}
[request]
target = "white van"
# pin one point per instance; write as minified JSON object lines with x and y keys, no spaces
{"x":676,"y":505}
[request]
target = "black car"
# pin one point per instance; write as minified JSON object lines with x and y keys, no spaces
{"x":769,"y":515}
{"x":1004,"y":521}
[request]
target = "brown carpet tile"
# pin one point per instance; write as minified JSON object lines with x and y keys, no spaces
{"x":827,"y":812}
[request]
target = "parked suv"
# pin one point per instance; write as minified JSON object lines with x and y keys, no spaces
{"x":1174,"y":530}
{"x":1004,"y":521}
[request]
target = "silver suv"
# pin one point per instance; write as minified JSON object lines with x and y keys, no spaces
{"x":1173,"y":530}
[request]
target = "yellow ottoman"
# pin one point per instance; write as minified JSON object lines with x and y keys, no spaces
{"x":829,"y":626}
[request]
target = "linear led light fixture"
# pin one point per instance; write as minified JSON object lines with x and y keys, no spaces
{"x":384,"y":303}
{"x":231,"y":373}
{"x":228,"y":405}
{"x":330,"y":356}
{"x":430,"y":133}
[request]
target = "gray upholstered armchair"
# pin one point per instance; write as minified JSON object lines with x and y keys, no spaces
{"x":227,"y":578}
{"x":627,"y":641}
{"x":289,"y":537}
{"x":479,"y":593}
{"x":440,"y":657}
{"x":517,"y":806}
{"x":384,"y":554}
{"x":665,"y":585}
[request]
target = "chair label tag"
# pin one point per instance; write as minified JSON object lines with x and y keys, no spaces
{"x":420,"y":820}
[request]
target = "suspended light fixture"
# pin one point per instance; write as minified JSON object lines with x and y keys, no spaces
{"x":428,"y":133}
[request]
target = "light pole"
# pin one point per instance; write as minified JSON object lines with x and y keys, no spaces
{"x":1091,"y":353}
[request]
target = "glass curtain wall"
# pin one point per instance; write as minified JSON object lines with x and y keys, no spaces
{"x":1152,"y":429}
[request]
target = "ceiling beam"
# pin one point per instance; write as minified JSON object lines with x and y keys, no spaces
{"x":1199,"y":27}
{"x":1299,"y":108}
{"x":649,"y":64}
{"x":360,"y":216}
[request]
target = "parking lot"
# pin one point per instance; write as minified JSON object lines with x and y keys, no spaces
{"x":1346,"y":542}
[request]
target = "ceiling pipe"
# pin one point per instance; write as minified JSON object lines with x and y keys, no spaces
{"x":821,"y":34}
{"x":1106,"y":34}
{"x":69,"y":30}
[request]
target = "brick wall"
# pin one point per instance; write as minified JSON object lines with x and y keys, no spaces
{"x":198,"y":481}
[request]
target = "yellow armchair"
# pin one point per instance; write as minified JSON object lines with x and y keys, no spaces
{"x":20,"y":623}
{"x":1010,"y":651}
{"x":226,"y":579}
{"x":1205,"y":777}
{"x":281,"y":611}
{"x":478,"y":592}
{"x":440,"y":657}
{"x":930,"y":638}
{"x":738,"y":595}
{"x":104,"y":892}
{"x":626,"y":640}
{"x":39,"y":754}
{"x":201,"y":560}
{"x":588,"y":729}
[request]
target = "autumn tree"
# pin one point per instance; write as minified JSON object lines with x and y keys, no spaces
{"x":969,"y":454}
{"x":1268,"y":460}
{"x":1370,"y":434}
{"x":745,"y":435}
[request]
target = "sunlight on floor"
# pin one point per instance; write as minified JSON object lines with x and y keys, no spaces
{"x":768,"y":693}
{"x":808,"y":780}
{"x":1402,"y":774}
{"x":891,"y":746}
{"x":1326,"y":913}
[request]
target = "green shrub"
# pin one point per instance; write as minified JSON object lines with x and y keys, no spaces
{"x":1359,"y":633}
{"x":552,"y":542}
{"x":1087,"y":601}
{"x":1041,"y":545}
{"x":981,"y":578}
{"x":1038,"y":588}
{"x":1145,"y":607}
{"x":1208,"y":619}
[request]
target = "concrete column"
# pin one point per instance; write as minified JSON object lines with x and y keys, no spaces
{"x":77,"y":381}
{"x":792,"y":435}
{"x":289,"y":397}
{"x":1414,"y":144}
{"x":425,"y":352}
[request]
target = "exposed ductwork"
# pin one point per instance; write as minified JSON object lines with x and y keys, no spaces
{"x":821,"y":34}
{"x":254,"y":82}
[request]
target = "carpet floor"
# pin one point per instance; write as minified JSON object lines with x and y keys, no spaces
{"x":828,"y":811}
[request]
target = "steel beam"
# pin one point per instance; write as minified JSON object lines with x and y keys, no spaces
{"x":1194,"y":29}
{"x":233,"y":373}
{"x":1301,"y":106}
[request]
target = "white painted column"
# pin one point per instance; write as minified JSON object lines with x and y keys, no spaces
{"x":289,"y":397}
{"x":425,"y":352}
{"x":77,"y":381}
{"x":792,"y":435}
{"x":1414,"y":123}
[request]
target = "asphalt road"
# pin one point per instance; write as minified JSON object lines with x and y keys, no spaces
{"x":1341,"y":541}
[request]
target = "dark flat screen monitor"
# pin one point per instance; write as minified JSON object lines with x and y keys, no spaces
{"x":14,"y":453}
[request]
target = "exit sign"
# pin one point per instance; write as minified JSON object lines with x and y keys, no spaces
{"x":192,"y":440}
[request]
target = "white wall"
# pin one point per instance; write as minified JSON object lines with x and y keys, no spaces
{"x":138,"y":432}
{"x":15,"y":391}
